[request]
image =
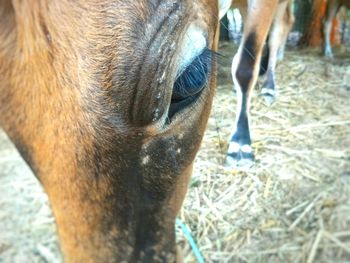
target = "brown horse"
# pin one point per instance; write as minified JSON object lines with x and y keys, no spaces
{"x":261,"y":18}
{"x":333,"y":7}
{"x":107,"y":101}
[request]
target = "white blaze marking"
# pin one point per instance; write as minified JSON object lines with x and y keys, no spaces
{"x":193,"y":45}
{"x":253,"y":5}
{"x":224,"y":6}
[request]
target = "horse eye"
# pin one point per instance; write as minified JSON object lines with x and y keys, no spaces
{"x":194,"y":77}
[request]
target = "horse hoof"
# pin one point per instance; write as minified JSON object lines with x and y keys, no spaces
{"x":239,"y":161}
{"x":269,"y":100}
{"x":269,"y":96}
{"x":328,"y":54}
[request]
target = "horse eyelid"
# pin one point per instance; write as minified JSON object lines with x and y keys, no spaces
{"x":201,"y":64}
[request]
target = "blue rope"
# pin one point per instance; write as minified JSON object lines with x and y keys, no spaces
{"x":190,"y":239}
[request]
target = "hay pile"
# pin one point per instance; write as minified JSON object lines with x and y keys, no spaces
{"x":293,"y":206}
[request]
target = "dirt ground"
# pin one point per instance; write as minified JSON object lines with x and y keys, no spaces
{"x":292,"y":206}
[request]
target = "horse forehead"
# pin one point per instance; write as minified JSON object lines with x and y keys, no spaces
{"x":224,"y":6}
{"x":140,"y":21}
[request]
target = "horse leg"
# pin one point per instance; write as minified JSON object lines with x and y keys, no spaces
{"x":288,"y":21}
{"x":332,"y":9}
{"x":245,"y":69}
{"x":280,"y":29}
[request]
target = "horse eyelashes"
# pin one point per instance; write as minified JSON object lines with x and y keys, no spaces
{"x":195,"y":76}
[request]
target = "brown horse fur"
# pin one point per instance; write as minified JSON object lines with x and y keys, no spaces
{"x":77,"y":97}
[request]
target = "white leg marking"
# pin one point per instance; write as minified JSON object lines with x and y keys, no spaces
{"x":246,"y":148}
{"x":327,"y":31}
{"x":233,"y":147}
{"x":281,"y":50}
{"x":239,"y":96}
